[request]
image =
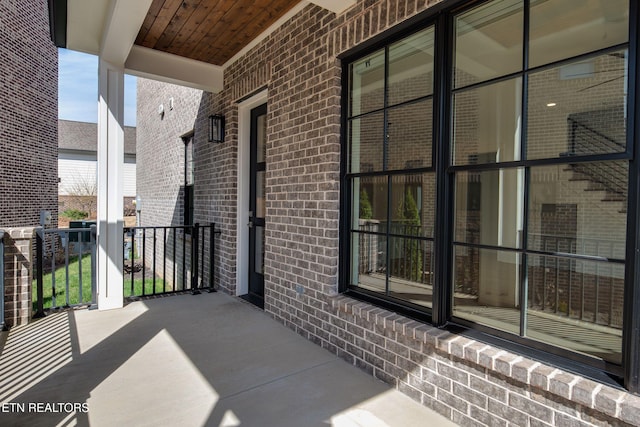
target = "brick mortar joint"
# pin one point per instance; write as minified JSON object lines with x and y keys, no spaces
{"x":341,"y":303}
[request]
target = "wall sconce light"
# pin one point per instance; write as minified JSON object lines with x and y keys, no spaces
{"x":216,"y":128}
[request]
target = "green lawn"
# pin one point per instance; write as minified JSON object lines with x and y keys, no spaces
{"x":74,"y":285}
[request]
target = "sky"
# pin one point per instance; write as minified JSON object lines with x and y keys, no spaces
{"x":78,"y":89}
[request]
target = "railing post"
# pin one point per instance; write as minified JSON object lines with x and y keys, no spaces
{"x":2,"y":322}
{"x":39,"y":273}
{"x":195,"y":233}
{"x":94,"y":285}
{"x":212,"y":257}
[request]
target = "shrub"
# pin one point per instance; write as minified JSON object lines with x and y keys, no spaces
{"x":75,"y":214}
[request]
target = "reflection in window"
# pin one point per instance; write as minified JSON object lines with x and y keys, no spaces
{"x":489,"y":207}
{"x":487,"y":44}
{"x":534,"y":234}
{"x":366,"y":136}
{"x":486,"y":126}
{"x":571,"y":232}
{"x":561,"y":30}
{"x":578,"y":108}
{"x":411,"y":67}
{"x":367,"y":84}
{"x":587,"y":292}
{"x":411,"y":270}
{"x":579,"y":209}
{"x":409,"y":135}
{"x":486,"y":286}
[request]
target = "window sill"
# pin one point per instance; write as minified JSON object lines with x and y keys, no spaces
{"x":520,"y":371}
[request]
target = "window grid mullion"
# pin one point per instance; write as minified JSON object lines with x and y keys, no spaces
{"x":524,"y":273}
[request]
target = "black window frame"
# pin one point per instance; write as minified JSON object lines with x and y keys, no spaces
{"x":440,"y":315}
{"x":187,"y":188}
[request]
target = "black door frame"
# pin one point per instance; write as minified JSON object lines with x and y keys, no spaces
{"x":255,"y":293}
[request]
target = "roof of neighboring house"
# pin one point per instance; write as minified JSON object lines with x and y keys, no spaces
{"x":82,"y":136}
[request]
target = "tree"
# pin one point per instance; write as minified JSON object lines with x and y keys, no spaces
{"x":410,"y":251}
{"x":365,"y":205}
{"x":83,"y":193}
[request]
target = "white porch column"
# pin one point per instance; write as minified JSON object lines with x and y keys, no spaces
{"x":110,"y":184}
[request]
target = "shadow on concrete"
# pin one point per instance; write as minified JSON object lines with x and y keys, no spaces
{"x":186,"y":360}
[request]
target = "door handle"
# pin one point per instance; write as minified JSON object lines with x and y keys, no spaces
{"x":250,"y":223}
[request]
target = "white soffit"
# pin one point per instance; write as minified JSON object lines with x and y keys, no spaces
{"x":104,"y":27}
{"x":166,"y":67}
{"x":85,"y":22}
{"x":336,"y":6}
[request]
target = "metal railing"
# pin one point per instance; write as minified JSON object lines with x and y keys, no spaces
{"x":409,"y":258}
{"x":585,"y":140}
{"x":60,"y":256}
{"x":168,"y":259}
{"x":65,"y":264}
{"x":590,"y":291}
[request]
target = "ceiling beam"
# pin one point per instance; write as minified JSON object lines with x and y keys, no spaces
{"x":166,"y":67}
{"x":336,"y":6}
{"x":124,"y":19}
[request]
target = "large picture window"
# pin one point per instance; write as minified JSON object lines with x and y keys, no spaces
{"x":525,"y":127}
{"x":391,"y":172}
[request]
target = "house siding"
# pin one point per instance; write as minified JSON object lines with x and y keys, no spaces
{"x":28,"y":114}
{"x":470,"y":382}
{"x":78,"y":172}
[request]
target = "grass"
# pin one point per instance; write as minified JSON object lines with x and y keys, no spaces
{"x":74,"y":285}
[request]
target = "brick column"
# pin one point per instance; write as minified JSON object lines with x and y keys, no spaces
{"x":18,"y":275}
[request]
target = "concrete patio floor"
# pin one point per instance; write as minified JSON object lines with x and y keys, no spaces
{"x":187,"y":360}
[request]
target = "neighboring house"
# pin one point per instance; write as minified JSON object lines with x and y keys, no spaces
{"x":162,"y":189}
{"x":77,"y":162}
{"x":442,"y":193}
{"x":28,"y":114}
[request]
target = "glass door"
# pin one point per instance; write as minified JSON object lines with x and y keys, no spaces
{"x":257,"y":204}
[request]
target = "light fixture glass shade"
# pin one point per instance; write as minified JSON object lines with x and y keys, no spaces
{"x":216,"y":128}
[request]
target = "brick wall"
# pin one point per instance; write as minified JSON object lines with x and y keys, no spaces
{"x":468,"y":381}
{"x":160,"y":179}
{"x":28,"y":114}
{"x":18,"y":275}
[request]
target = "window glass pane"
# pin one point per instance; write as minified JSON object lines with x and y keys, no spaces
{"x":489,"y":207}
{"x":561,"y":30}
{"x":369,"y":204}
{"x":411,"y":270}
{"x":188,"y":178}
{"x":486,"y":124}
{"x":369,"y":261}
{"x":486,"y":286}
{"x":260,"y":192}
{"x":367,"y":84}
{"x":366,"y":143}
{"x":576,"y":304}
{"x":259,"y":267}
{"x":413,"y":204}
{"x":578,"y":108}
{"x":411,"y":67}
{"x":261,"y":150}
{"x":579,"y":209}
{"x":488,"y":42}
{"x":409,"y":136}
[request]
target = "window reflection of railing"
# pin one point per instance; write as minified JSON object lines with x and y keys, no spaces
{"x":409,"y":254}
{"x":589,"y":289}
{"x":585,"y":140}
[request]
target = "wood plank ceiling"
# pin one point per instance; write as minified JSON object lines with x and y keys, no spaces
{"x":208,"y":30}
